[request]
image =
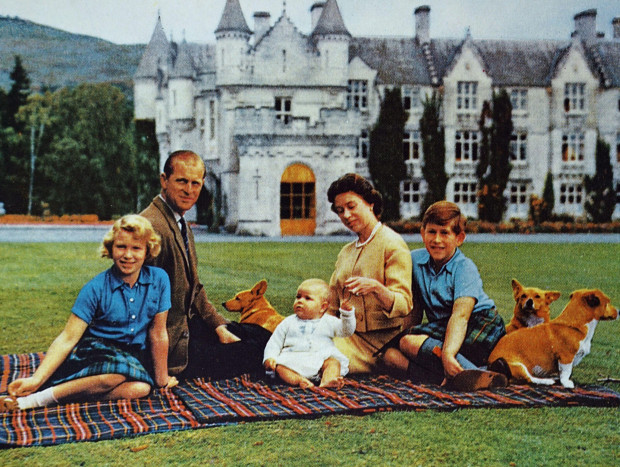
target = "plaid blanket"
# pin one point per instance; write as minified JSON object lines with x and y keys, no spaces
{"x":199,"y":404}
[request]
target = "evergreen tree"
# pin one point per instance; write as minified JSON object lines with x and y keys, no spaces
{"x":494,"y":167}
{"x":385,"y":158}
{"x":17,"y":96}
{"x":548,"y":199}
{"x":600,"y":195}
{"x":434,"y":150}
{"x":147,"y":162}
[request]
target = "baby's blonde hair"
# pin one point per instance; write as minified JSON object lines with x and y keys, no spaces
{"x":324,"y":286}
{"x":140,"y":227}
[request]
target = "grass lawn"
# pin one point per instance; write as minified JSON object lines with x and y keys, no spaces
{"x":40,"y":282}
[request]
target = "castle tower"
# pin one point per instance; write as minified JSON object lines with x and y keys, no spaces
{"x":232,"y":36}
{"x":181,"y":86}
{"x":332,"y":38}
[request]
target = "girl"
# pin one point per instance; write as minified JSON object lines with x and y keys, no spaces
{"x":101,"y":354}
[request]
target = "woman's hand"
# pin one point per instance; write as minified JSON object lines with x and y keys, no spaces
{"x":357,"y":285}
{"x":23,"y":386}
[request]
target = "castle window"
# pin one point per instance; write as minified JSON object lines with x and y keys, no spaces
{"x":284,"y":60}
{"x":574,"y":97}
{"x":617,"y":192}
{"x":518,"y":194}
{"x":357,"y":94}
{"x":411,"y":97}
{"x":618,"y":148}
{"x":464,"y":193}
{"x":466,"y":146}
{"x":412,"y":146}
{"x":467,"y":96}
{"x":571,"y":193}
{"x":518,"y":147}
{"x":410,"y":192}
{"x":283,"y":110}
{"x":573,"y":147}
{"x":363,"y":143}
{"x":518,"y":99}
{"x":211,"y":119}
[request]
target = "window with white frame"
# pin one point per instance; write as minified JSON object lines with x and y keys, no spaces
{"x":357,"y":94}
{"x":283,"y":110}
{"x":518,"y":147}
{"x":466,"y":146}
{"x":467,"y":96}
{"x":411,"y":97}
{"x":410,"y":192}
{"x":573,"y":147}
{"x":363,"y":143}
{"x":518,"y":194}
{"x":575,"y":97}
{"x":571,"y":193}
{"x":465,"y":193}
{"x":518,"y":99}
{"x":412,"y":146}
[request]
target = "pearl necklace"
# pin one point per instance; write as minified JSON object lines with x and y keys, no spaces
{"x":372,"y":234}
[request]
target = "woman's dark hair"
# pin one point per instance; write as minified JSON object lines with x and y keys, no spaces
{"x":358,"y":185}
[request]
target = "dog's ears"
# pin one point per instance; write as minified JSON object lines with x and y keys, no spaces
{"x":260,"y":288}
{"x":551,"y":297}
{"x":592,"y":300}
{"x":516,"y":287}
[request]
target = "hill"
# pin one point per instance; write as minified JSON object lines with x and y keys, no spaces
{"x":57,"y":58}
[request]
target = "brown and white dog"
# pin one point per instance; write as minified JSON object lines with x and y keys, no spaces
{"x":254,"y":307}
{"x":531,"y":306}
{"x":534,"y":354}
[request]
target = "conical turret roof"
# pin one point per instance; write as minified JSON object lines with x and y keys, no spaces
{"x":330,"y":22}
{"x":233,"y":19}
{"x":184,"y":65}
{"x":157,"y":49}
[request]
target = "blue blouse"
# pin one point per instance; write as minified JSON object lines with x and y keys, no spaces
{"x":115,"y":311}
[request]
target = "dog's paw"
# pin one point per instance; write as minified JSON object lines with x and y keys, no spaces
{"x":568,"y":384}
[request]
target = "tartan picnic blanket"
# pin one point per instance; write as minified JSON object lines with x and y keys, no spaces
{"x":200,"y":403}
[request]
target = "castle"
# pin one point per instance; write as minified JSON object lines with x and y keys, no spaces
{"x":277,"y":114}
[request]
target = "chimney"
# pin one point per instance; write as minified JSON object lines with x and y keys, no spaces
{"x":262,"y":23}
{"x":615,"y":24}
{"x":422,"y":17}
{"x":315,"y":13}
{"x":585,"y":26}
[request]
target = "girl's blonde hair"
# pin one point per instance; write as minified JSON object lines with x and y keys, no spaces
{"x":140,"y":227}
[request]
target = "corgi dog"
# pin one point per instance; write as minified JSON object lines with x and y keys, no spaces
{"x":535,"y":354}
{"x":254,"y":307}
{"x":531,"y":306}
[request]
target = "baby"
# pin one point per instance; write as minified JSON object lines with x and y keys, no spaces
{"x":301,"y":349}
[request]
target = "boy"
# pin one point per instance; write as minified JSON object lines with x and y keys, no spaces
{"x":463,"y":325}
{"x":301,"y":347}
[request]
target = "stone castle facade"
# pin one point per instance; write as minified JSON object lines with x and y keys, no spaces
{"x":277,"y":114}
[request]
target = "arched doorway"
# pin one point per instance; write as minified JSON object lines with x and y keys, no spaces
{"x":297,"y":201}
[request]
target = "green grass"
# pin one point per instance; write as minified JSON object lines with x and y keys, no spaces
{"x":40,"y":281}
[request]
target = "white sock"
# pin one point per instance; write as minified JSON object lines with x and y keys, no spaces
{"x":37,"y":399}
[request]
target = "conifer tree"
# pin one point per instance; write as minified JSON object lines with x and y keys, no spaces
{"x":600,"y":195}
{"x":434,"y":150}
{"x":18,"y":94}
{"x":385,"y":158}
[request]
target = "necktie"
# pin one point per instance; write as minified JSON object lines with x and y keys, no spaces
{"x":184,"y":235}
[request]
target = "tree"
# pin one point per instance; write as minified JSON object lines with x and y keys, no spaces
{"x":494,"y":167}
{"x":147,"y":163}
{"x":434,"y":150}
{"x":18,"y":94}
{"x":385,"y":158}
{"x":600,"y":195}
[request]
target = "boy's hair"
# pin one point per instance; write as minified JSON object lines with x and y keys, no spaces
{"x":358,"y":185}
{"x":140,"y":227}
{"x":319,"y":283}
{"x":445,"y":213}
{"x":182,"y":154}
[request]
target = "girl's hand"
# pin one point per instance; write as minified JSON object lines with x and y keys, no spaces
{"x":451,"y":366}
{"x":23,"y":386}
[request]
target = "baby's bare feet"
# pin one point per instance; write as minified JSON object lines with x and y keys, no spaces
{"x":335,"y":383}
{"x":305,"y":383}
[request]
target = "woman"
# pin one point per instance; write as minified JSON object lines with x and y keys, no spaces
{"x":374,"y":272}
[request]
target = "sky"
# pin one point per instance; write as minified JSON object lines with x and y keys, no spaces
{"x":133,"y":21}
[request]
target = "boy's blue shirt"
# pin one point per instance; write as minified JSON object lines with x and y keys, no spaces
{"x":121,"y":313}
{"x":437,"y":292}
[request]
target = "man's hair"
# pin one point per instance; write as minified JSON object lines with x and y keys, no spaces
{"x":183,"y":154}
{"x":358,"y":185}
{"x":445,"y":213}
{"x":140,"y":227}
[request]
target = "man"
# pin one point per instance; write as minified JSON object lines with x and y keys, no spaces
{"x":200,"y":341}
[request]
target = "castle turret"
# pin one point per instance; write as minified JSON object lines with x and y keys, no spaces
{"x":181,"y":85}
{"x":232,"y":36}
{"x":151,"y":73}
{"x":332,"y":38}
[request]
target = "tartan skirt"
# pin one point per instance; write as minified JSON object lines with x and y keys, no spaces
{"x":484,"y":329}
{"x":95,"y":356}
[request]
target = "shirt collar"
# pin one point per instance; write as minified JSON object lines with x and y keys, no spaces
{"x":177,"y":216}
{"x":144,"y":278}
{"x":425,"y":259}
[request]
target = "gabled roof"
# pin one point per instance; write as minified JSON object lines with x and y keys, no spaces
{"x":158,"y":49}
{"x":330,"y":22}
{"x":606,"y":58}
{"x":233,"y":19}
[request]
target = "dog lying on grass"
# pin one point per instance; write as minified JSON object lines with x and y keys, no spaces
{"x":254,"y":307}
{"x":531,"y":306}
{"x":534,"y":354}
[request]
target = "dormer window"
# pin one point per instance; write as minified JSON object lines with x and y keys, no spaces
{"x":467,"y":96}
{"x":357,"y":94}
{"x":283,"y":110}
{"x":574,"y":97}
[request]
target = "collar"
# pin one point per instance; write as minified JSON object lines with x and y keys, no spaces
{"x":370,"y":237}
{"x":177,"y":216}
{"x":425,"y":259}
{"x":145,"y":277}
